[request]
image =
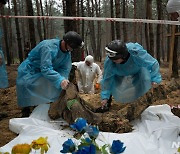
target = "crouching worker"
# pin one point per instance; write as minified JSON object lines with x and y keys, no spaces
{"x":129,"y":72}
{"x":87,"y":72}
{"x":44,"y":73}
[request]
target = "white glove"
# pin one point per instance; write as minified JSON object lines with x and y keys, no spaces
{"x":64,"y":84}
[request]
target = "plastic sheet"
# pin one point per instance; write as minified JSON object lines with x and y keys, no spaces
{"x":156,"y":132}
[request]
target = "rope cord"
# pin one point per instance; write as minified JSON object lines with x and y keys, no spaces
{"x":97,"y":19}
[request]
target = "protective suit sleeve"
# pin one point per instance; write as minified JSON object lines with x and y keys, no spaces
{"x":75,"y":63}
{"x":105,"y":94}
{"x":107,"y":81}
{"x":47,"y":68}
{"x":99,"y":74}
{"x":65,"y":68}
{"x":143,"y":59}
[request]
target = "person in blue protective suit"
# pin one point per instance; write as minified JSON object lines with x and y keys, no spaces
{"x":173,"y":8}
{"x":44,"y":73}
{"x":3,"y":73}
{"x":129,"y":72}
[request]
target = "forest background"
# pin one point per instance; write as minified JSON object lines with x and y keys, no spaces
{"x":21,"y":34}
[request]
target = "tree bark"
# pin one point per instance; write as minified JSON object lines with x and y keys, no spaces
{"x":4,"y":22}
{"x":149,"y":28}
{"x":158,"y":30}
{"x":175,"y":68}
{"x":39,"y":21}
{"x":124,"y":24}
{"x":70,"y":10}
{"x":117,"y":6}
{"x":112,"y":23}
{"x":135,"y":24}
{"x":31,"y":23}
{"x":42,"y":13}
{"x":18,"y":33}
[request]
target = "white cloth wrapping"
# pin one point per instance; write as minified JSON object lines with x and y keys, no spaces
{"x":155,"y":133}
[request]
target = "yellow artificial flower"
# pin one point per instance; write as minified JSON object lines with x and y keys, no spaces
{"x":40,"y":143}
{"x":179,"y":149}
{"x":21,"y":149}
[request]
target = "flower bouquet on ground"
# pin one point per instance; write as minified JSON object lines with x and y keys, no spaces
{"x":87,"y":144}
{"x":40,"y":146}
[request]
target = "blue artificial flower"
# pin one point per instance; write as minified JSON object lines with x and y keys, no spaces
{"x":92,"y":131}
{"x":79,"y":125}
{"x":91,"y":149}
{"x":117,"y":147}
{"x":88,"y":140}
{"x":68,"y":146}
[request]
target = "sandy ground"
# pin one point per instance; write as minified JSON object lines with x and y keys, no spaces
{"x":9,"y":108}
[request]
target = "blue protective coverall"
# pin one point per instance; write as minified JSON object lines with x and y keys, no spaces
{"x":3,"y":73}
{"x":126,"y":82}
{"x":40,"y":75}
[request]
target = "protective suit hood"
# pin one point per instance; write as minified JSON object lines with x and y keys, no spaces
{"x":173,"y":6}
{"x":89,"y":58}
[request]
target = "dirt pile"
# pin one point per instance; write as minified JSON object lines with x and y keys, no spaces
{"x":71,"y":105}
{"x":9,"y":108}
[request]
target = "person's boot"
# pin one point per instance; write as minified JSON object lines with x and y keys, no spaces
{"x":25,"y":112}
{"x":109,"y":101}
